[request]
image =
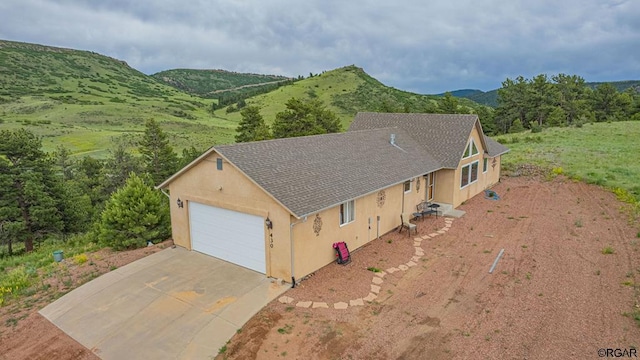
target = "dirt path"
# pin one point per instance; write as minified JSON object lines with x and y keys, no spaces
{"x":554,"y":293}
{"x":247,"y":86}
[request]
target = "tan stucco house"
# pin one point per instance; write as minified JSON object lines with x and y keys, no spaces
{"x":277,"y":206}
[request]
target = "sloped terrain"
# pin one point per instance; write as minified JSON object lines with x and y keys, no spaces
{"x":346,"y":91}
{"x":567,"y":284}
{"x":211,"y":83}
{"x":85,"y":100}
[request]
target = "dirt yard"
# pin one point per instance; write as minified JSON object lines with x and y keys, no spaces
{"x":554,"y":293}
{"x":25,"y":334}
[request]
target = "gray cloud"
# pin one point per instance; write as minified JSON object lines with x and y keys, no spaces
{"x":421,"y":46}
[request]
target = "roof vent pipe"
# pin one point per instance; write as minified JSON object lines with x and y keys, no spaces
{"x":392,"y":140}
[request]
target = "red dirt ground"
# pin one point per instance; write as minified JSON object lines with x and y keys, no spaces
{"x":554,"y":294}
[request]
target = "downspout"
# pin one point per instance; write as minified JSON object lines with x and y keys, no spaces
{"x":162,"y":191}
{"x":293,"y":277}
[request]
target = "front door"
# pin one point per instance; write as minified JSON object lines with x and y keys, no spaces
{"x":431,"y":184}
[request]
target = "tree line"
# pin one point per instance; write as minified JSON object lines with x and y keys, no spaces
{"x":300,"y":118}
{"x":562,"y":100}
{"x":52,"y":195}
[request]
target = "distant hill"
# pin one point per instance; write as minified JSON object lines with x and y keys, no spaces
{"x":210,"y":83}
{"x":346,"y":91}
{"x":619,"y":85}
{"x":490,"y":98}
{"x":85,"y":100}
{"x":463,"y":93}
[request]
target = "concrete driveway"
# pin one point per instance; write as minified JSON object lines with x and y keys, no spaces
{"x":174,"y":304}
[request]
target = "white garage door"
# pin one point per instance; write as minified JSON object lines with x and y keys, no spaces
{"x":228,"y":235}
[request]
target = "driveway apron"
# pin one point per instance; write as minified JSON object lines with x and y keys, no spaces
{"x":174,"y":304}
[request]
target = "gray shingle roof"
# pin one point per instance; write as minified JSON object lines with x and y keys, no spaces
{"x":494,"y":148}
{"x":444,"y":136}
{"x":312,"y":173}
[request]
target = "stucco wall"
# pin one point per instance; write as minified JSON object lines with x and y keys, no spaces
{"x":232,"y":190}
{"x":313,"y":251}
{"x":445,"y":185}
{"x":229,"y":188}
{"x":485,"y":179}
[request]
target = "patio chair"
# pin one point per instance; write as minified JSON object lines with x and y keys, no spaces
{"x":426,"y":208}
{"x":404,"y":218}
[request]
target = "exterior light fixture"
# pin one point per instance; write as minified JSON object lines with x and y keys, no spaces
{"x":180,"y":203}
{"x":268,"y":223}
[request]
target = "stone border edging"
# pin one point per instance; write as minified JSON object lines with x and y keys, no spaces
{"x":378,"y":278}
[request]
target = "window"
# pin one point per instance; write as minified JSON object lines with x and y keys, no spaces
{"x":485,"y":165}
{"x":469,"y":174}
{"x":347,"y":212}
{"x":471,"y":149}
{"x":474,"y":172}
{"x":407,"y":186}
{"x":219,"y":163}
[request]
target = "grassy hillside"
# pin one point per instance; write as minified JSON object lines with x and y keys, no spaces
{"x":346,"y":91}
{"x":210,"y":83}
{"x":598,"y":153}
{"x":85,"y":100}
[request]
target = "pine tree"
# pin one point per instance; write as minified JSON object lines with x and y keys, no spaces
{"x":117,"y":169}
{"x":571,"y":93}
{"x":305,"y":118}
{"x":516,"y":127}
{"x":606,"y":103}
{"x":30,"y":199}
{"x":449,"y":104}
{"x":252,"y":126}
{"x":513,"y":102}
{"x":157,"y":155}
{"x":188,"y":155}
{"x":133,"y":216}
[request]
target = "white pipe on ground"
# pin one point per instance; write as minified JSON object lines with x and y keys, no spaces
{"x":495,"y":262}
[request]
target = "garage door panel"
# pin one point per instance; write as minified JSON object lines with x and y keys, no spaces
{"x":228,"y":235}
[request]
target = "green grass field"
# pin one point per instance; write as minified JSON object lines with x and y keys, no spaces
{"x":600,"y":153}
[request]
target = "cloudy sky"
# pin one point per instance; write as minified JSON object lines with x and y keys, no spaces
{"x":416,"y":45}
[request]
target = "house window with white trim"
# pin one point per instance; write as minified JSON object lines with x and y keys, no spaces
{"x":471,"y":149}
{"x":347,"y":212}
{"x":485,"y":165}
{"x":407,"y":186}
{"x":469,"y":174}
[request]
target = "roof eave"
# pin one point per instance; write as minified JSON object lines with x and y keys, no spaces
{"x":165,"y":183}
{"x":500,"y":153}
{"x":366,"y":194}
{"x":259,"y":187}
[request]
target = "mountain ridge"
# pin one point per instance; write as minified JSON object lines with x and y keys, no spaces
{"x":490,"y":98}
